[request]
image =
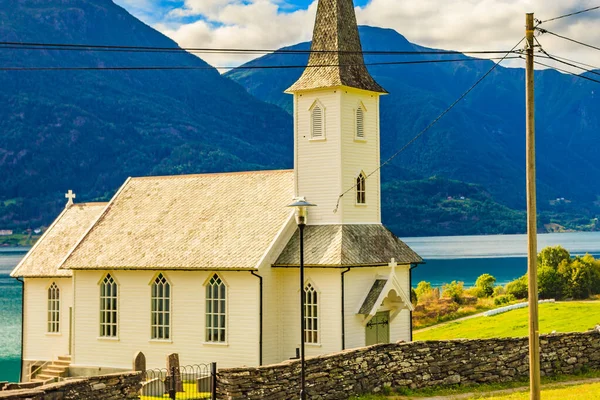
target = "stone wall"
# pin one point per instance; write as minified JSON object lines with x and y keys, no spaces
{"x":103,"y":387}
{"x":413,"y":365}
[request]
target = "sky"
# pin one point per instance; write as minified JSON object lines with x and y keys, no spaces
{"x":446,"y":24}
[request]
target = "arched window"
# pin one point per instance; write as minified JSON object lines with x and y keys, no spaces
{"x":317,"y":123}
{"x":216,"y":310}
{"x":360,"y":123}
{"x":311,"y":314}
{"x":53,"y":308}
{"x":161,"y":308}
{"x":361,"y":189}
{"x":108,"y":307}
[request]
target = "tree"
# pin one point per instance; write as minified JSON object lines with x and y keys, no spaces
{"x":453,"y":290}
{"x":414,"y":299}
{"x":518,"y":287}
{"x":550,"y":283}
{"x":484,"y":285}
{"x":423,"y":289}
{"x":552,"y":256}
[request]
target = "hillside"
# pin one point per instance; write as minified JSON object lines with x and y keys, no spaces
{"x":482,"y":140}
{"x":89,"y":130}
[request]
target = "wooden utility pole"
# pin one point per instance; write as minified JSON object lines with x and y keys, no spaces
{"x":534,"y":332}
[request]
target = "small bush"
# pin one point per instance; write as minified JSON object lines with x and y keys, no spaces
{"x":499,"y":290}
{"x":504,"y":299}
{"x":485,"y":285}
{"x":453,"y":290}
{"x":414,"y":299}
{"x":518,"y":288}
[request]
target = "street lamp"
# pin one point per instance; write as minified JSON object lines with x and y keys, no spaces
{"x":300,"y":204}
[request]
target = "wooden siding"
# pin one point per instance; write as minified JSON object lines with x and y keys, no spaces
{"x":358,"y":282}
{"x":38,"y":344}
{"x":328,"y":284}
{"x":188,"y":320}
{"x":326,"y":168}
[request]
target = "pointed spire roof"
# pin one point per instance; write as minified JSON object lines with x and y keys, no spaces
{"x":336,"y":53}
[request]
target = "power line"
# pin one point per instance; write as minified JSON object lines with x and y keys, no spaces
{"x":567,"y":72}
{"x":154,"y":68}
{"x":435,"y":121}
{"x":118,"y":48}
{"x":550,"y":57}
{"x":577,"y":62}
{"x":569,"y":39}
{"x":570,"y":14}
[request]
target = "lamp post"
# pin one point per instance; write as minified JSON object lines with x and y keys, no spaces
{"x":300,"y":204}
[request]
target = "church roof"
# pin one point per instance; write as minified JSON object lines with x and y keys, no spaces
{"x":46,"y":255}
{"x":188,"y":222}
{"x":336,"y":57}
{"x":345,"y":246}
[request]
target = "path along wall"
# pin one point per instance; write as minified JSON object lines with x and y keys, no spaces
{"x":413,"y":365}
{"x":104,"y":387}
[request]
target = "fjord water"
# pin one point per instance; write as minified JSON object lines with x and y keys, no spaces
{"x":461,"y":258}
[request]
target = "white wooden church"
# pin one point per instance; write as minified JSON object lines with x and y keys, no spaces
{"x":207,"y":266}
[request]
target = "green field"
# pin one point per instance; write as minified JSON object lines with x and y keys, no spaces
{"x":573,"y":316}
{"x":588,"y":391}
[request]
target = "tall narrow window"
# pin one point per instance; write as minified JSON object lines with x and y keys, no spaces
{"x":216,"y":308}
{"x":108,"y":307}
{"x":53,"y":308}
{"x":361,"y":189}
{"x":317,"y":126}
{"x":311,"y":315}
{"x":161,"y":308}
{"x":360,"y":123}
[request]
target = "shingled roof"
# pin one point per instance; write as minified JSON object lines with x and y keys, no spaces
{"x":336,"y":57}
{"x":46,"y":255}
{"x":347,"y":245}
{"x":188,"y":222}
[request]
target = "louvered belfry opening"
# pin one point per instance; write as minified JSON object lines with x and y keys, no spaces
{"x":317,"y":123}
{"x":336,"y":58}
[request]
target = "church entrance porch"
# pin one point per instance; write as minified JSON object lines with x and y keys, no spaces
{"x":378,"y":329}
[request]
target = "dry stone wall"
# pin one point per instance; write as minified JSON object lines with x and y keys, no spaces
{"x":413,"y":365}
{"x":105,"y":387}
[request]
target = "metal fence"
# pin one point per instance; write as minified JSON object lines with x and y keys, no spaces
{"x":190,"y":382}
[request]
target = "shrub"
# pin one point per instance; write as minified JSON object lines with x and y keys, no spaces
{"x":414,"y":299}
{"x":423,"y":289}
{"x":518,"y":288}
{"x":499,"y":290}
{"x":552,"y":256}
{"x":453,"y":290}
{"x":550,"y":283}
{"x":485,"y":285}
{"x":504,"y":299}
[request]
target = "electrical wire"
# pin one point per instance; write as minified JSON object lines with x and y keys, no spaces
{"x":566,"y":72}
{"x":88,"y":47}
{"x":154,"y":68}
{"x":435,"y":121}
{"x":569,"y":39}
{"x":570,"y":14}
{"x":550,"y":57}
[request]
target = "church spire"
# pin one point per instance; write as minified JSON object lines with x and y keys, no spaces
{"x":336,"y":53}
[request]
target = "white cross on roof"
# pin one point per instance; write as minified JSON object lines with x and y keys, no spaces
{"x":70,"y":195}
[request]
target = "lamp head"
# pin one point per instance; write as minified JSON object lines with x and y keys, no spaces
{"x":300,"y":204}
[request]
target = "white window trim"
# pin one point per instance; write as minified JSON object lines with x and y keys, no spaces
{"x":362,"y":173}
{"x":53,"y":310}
{"x":323,"y":135}
{"x":164,"y":299}
{"x":317,"y":319}
{"x":212,"y":314}
{"x":117,"y":316}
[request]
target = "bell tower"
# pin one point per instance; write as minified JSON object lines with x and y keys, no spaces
{"x":336,"y":123}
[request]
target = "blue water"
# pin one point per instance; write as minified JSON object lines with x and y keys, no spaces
{"x":461,"y":258}
{"x":10,"y":315}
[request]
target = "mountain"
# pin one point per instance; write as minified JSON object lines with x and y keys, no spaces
{"x":482,"y":140}
{"x":89,"y":130}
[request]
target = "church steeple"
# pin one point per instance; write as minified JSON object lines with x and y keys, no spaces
{"x":336,"y":53}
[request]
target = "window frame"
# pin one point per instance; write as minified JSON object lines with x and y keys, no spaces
{"x":361,"y":189}
{"x":109,"y":316}
{"x":161,"y":308}
{"x":317,"y":105}
{"x":312,"y":331}
{"x":215,"y":323}
{"x":359,"y":126}
{"x":53,"y":309}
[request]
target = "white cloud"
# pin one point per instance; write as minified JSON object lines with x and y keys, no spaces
{"x":456,"y":24}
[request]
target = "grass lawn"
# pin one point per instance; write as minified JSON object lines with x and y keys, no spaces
{"x":190,"y":393}
{"x":588,"y":391}
{"x":575,"y":316}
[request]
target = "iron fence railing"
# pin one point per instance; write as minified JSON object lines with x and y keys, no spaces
{"x":190,"y":382}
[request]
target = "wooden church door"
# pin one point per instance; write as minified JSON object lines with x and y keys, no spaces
{"x":378,"y":329}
